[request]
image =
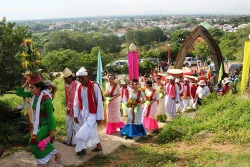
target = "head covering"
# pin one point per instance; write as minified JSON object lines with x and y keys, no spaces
{"x":82,"y":72}
{"x":185,"y":79}
{"x":177,"y":80}
{"x":171,"y":77}
{"x":135,"y":80}
{"x":201,"y":82}
{"x":49,"y":83}
{"x":67,"y":73}
{"x":123,"y":82}
{"x":225,"y":81}
{"x":158,"y":77}
{"x":149,"y":83}
{"x":34,"y":79}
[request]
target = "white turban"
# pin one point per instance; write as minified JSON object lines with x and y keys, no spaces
{"x":171,"y":77}
{"x":82,"y":72}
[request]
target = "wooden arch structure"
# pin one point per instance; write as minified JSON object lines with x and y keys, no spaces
{"x":200,"y":31}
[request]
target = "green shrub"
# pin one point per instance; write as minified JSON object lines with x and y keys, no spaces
{"x":8,"y":134}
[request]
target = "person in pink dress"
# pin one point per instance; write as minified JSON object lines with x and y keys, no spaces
{"x":150,"y":109}
{"x":113,"y":106}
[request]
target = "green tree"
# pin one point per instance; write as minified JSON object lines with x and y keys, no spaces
{"x":216,"y":33}
{"x":10,"y":39}
{"x":58,"y":60}
{"x":179,"y":36}
{"x":242,"y":36}
{"x":145,"y":36}
{"x":229,"y":45}
{"x":201,"y":50}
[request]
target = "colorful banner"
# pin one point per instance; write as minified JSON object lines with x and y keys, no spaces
{"x":220,"y":72}
{"x":133,"y":65}
{"x":99,"y":70}
{"x":246,"y":66}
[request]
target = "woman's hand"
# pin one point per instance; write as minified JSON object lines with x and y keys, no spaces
{"x":76,"y":120}
{"x":98,"y":122}
{"x":52,"y":134}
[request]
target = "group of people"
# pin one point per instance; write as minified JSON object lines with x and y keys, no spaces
{"x":143,"y":103}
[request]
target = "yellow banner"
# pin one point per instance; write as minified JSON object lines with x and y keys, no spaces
{"x":246,"y":66}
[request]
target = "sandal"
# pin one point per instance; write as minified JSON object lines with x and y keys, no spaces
{"x":96,"y":150}
{"x":58,"y":158}
{"x":127,"y":137}
{"x":83,"y":152}
{"x":66,"y":143}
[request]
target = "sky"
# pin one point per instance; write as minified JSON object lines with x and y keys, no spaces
{"x":43,"y":9}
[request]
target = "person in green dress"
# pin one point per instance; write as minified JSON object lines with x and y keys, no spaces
{"x":44,"y":124}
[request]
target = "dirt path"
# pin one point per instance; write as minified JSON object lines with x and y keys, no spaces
{"x":109,"y":142}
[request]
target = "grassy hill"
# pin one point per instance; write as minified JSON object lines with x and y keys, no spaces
{"x":218,"y":135}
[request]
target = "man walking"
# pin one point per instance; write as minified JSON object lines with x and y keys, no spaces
{"x":70,"y":89}
{"x":88,"y":112}
{"x":172,"y":97}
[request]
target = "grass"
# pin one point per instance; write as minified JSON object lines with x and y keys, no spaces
{"x":217,"y":136}
{"x":60,"y":107}
{"x":228,"y":120}
{"x":134,"y":156}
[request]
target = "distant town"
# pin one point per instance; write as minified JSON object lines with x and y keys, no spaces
{"x":119,"y":25}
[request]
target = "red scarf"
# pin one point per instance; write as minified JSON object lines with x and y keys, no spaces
{"x":193,"y":90}
{"x":113,"y":90}
{"x":150,"y":99}
{"x":91,"y":97}
{"x":172,"y":91}
{"x":126,"y":92}
{"x":187,"y":90}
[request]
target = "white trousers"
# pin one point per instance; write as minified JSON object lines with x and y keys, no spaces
{"x":186,"y":103}
{"x":87,"y":135}
{"x":71,"y":130}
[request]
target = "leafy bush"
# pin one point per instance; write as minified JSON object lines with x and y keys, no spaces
{"x":8,"y":134}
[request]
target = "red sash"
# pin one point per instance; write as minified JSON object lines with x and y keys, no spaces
{"x":126,"y":92}
{"x":187,"y":89}
{"x":91,"y":97}
{"x":113,"y":90}
{"x":137,"y":100}
{"x":193,"y":91}
{"x":150,"y":98}
{"x":172,"y":91}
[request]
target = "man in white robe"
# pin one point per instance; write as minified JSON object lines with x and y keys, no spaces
{"x":88,"y":113}
{"x":172,"y":97}
{"x":201,"y":92}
